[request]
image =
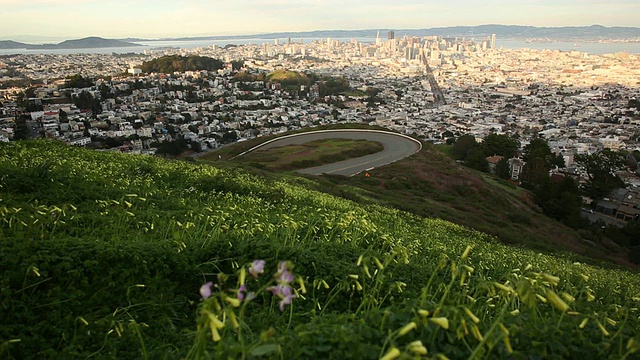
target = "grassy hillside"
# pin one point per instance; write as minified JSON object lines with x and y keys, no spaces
{"x":103,"y":255}
{"x":431,"y":184}
{"x":288,"y":78}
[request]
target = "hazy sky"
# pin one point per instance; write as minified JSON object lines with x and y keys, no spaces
{"x":164,"y":18}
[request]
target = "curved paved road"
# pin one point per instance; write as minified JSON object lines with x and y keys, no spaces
{"x":396,"y":147}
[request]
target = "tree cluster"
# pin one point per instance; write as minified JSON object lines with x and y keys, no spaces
{"x":243,"y":76}
{"x":176,"y":63}
{"x":87,"y":101}
{"x":78,"y":81}
{"x":23,"y":100}
{"x":474,"y":154}
{"x":558,"y":197}
{"x":600,"y":168}
{"x":172,"y":148}
{"x":333,"y":86}
{"x":503,"y":145}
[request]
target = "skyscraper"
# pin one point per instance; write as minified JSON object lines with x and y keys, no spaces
{"x":391,"y":35}
{"x":493,"y":41}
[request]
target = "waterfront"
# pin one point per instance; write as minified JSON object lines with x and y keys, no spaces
{"x":596,"y":48}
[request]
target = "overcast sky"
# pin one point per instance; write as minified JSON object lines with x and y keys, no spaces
{"x":169,"y":18}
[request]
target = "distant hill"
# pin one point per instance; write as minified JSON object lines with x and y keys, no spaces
{"x":88,"y":43}
{"x":84,"y":43}
{"x":10,"y":44}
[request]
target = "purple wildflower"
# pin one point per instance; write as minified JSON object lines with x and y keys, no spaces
{"x":275,"y":290}
{"x":288,"y":296}
{"x":205,"y":290}
{"x":256,"y":268}
{"x":284,"y":292}
{"x":241,"y":292}
{"x":284,"y":275}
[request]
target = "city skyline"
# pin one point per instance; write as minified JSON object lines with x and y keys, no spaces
{"x":57,"y":19}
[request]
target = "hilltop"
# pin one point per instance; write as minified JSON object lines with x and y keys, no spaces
{"x":106,"y":254}
{"x":288,"y":78}
{"x":171,"y":63}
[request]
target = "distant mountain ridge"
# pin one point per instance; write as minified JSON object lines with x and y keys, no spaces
{"x":84,"y":43}
{"x":593,"y":32}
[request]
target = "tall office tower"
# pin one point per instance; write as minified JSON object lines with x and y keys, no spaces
{"x":391,"y":35}
{"x":276,"y":42}
{"x":493,"y":41}
{"x":408,"y":53}
{"x":378,"y":40}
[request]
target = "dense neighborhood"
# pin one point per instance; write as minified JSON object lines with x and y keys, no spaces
{"x":579,"y":103}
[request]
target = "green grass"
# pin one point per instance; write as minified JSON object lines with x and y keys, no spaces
{"x":102,"y":255}
{"x":431,"y":184}
{"x":314,"y":153}
{"x":228,"y":152}
{"x":445,"y":148}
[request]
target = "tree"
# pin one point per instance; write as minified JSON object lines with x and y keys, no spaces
{"x":535,"y":173}
{"x":105,"y":92}
{"x":538,"y":162}
{"x":78,"y":81}
{"x":237,"y":65}
{"x":229,"y":137}
{"x":600,"y":168}
{"x":560,"y":200}
{"x":477,"y":160}
{"x":86,"y":101}
{"x":502,"y":169}
{"x":63,"y":116}
{"x":558,"y":160}
{"x":504,"y":145}
{"x":538,"y":147}
{"x":462,"y":146}
{"x":23,"y":100}
{"x":21,"y":129}
{"x":173,"y":148}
